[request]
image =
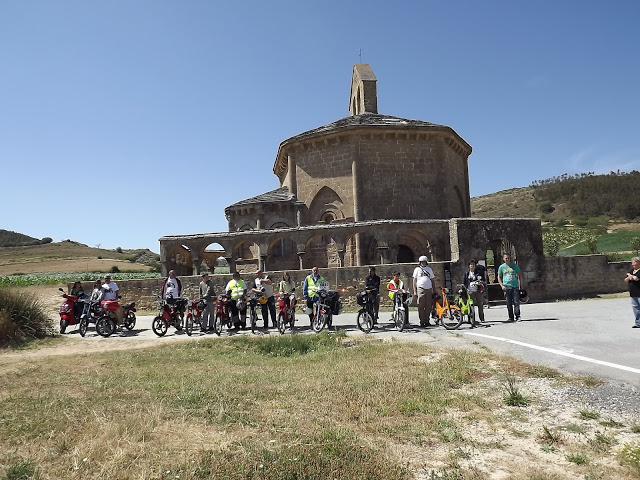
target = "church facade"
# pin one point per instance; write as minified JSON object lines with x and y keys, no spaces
{"x":365,"y":189}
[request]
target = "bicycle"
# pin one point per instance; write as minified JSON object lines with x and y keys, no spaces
{"x":464,"y":301}
{"x":254,"y":300}
{"x":401,"y":309}
{"x":286,"y":315}
{"x":445,"y":313}
{"x":367,"y":300}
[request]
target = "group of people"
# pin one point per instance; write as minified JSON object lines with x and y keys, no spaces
{"x":105,"y":289}
{"x":423,"y":287}
{"x":236,"y":291}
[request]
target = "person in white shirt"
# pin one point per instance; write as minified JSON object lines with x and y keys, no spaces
{"x":171,"y":287}
{"x":423,"y":288}
{"x":263,"y":281}
{"x":110,"y":289}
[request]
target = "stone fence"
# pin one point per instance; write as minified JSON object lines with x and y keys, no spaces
{"x":561,"y":277}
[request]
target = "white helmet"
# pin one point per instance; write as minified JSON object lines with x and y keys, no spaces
{"x":423,"y":258}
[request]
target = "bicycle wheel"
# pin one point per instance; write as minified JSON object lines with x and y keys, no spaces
{"x":189,"y":324}
{"x":253,"y":319}
{"x":399,"y":319}
{"x":451,"y":318}
{"x":84,"y":324}
{"x":364,"y":321}
{"x":217,"y":324}
{"x":282,"y":323}
{"x":130,"y":321}
{"x":105,"y":326}
{"x":318,"y":322}
{"x":158,"y":325}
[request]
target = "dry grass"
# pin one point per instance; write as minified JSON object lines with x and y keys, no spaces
{"x":297,"y":406}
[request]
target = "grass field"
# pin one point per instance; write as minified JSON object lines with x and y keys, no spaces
{"x":617,"y":241}
{"x":290,"y":407}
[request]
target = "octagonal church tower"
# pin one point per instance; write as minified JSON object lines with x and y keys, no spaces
{"x":369,"y":166}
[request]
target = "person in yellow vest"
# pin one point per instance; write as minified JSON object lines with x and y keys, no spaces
{"x":236,"y":290}
{"x":310,"y":289}
{"x":396,"y":287}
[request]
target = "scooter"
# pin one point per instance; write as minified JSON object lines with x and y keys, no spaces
{"x":170,"y":313}
{"x":108,"y":321}
{"x":67,"y":311}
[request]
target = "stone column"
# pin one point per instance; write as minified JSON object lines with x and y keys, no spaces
{"x":196,"y":265}
{"x":232,"y":264}
{"x":357,"y":213}
{"x":293,"y":175}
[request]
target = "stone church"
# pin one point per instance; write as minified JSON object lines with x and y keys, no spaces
{"x":367,"y":189}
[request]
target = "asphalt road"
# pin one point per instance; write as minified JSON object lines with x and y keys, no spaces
{"x":586,"y":337}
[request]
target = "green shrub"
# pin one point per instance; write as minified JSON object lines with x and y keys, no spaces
{"x":546,"y":206}
{"x":119,"y":250}
{"x":114,"y":269}
{"x":579,"y":221}
{"x":22,"y":318}
{"x":634,"y":244}
{"x":592,"y":244}
{"x":614,"y":257}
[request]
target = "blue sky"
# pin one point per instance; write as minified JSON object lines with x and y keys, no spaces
{"x":123,"y":121}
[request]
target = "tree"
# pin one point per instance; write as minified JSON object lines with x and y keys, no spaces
{"x":553,"y":246}
{"x":592,"y":243}
{"x":635,"y":244}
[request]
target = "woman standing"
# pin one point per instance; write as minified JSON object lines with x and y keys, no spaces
{"x":474,"y":281}
{"x":288,"y":286}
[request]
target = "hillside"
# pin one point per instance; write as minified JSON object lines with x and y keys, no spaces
{"x":70,"y":257}
{"x":566,"y":197}
{"x":10,"y":238}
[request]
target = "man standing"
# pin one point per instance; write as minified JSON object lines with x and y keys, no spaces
{"x":423,"y":286}
{"x":263,"y":284}
{"x":172,"y":286}
{"x":208,"y":294}
{"x":237,"y":290}
{"x":372,"y":282}
{"x":633,"y":282}
{"x":511,"y":282}
{"x":310,"y":289}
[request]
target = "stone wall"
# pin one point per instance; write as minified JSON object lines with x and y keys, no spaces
{"x":559,"y":277}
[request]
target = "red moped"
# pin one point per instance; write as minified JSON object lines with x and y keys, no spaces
{"x":107,"y":323}
{"x":286,"y":314}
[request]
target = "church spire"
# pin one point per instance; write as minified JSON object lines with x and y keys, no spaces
{"x":364,"y":94}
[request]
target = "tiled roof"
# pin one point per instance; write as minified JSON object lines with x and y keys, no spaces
{"x":281,"y":194}
{"x":368,"y":119}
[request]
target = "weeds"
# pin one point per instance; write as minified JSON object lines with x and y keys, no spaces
{"x":513,"y":397}
{"x":549,"y":437}
{"x":630,"y":455}
{"x":577,"y":458}
{"x":22,"y":318}
{"x":588,"y":415}
{"x":601,"y":442}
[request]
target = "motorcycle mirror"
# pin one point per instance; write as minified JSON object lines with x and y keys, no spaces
{"x":61,"y":290}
